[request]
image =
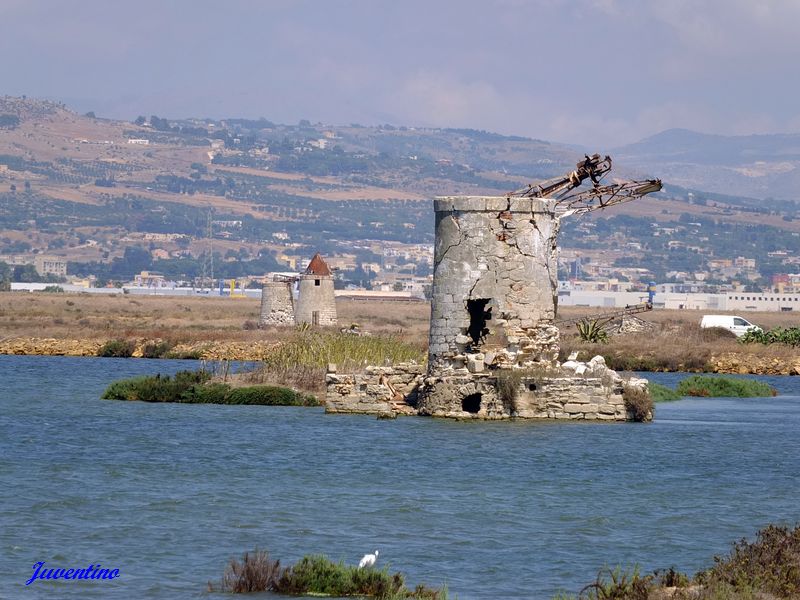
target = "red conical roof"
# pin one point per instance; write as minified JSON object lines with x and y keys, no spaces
{"x":318,"y":266}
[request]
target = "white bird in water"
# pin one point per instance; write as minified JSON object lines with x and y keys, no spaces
{"x":368,"y":560}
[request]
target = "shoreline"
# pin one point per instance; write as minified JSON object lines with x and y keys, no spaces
{"x":728,"y":363}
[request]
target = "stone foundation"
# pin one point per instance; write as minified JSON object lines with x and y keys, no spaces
{"x":574,"y":390}
{"x":379,"y":390}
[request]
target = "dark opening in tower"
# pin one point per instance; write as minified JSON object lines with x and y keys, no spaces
{"x":471,"y":403}
{"x":478,"y":317}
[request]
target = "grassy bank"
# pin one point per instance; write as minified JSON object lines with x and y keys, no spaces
{"x":219,"y":328}
{"x":661,"y":393}
{"x":723,"y":387}
{"x":195,"y":387}
{"x":767,"y":568}
{"x":319,"y":576}
{"x":711,"y":387}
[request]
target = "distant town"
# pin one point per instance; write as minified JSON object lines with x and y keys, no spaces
{"x":201,"y":206}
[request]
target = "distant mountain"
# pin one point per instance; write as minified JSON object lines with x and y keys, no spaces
{"x":761,"y":166}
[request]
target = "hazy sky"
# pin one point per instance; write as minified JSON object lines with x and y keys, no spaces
{"x":595,"y":72}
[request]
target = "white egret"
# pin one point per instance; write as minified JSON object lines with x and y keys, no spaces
{"x":368,"y":560}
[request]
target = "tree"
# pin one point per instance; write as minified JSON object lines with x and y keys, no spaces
{"x":26,"y":274}
{"x":140,"y":120}
{"x":5,"y":277}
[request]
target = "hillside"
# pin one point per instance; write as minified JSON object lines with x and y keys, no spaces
{"x":116,"y":197}
{"x":760,"y":166}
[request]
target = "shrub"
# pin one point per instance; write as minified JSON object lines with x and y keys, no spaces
{"x":727,"y":387}
{"x":117,"y":348}
{"x":661,"y":393}
{"x":269,"y":395}
{"x":156,"y":349}
{"x":155,"y":388}
{"x":319,"y":576}
{"x":193,"y":387}
{"x":638,"y":403}
{"x":770,"y":565}
{"x":256,"y":573}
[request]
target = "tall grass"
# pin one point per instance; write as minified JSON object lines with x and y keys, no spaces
{"x":301,"y":361}
{"x":318,"y":575}
{"x":317,"y":349}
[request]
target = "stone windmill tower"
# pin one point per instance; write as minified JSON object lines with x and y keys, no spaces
{"x":494,"y":298}
{"x":315,"y":304}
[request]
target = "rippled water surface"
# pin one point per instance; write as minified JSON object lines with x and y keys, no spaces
{"x":168,"y":493}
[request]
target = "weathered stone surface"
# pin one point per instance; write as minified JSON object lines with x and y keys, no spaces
{"x":493,"y":345}
{"x":277,"y":305}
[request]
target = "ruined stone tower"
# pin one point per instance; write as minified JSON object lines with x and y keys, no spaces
{"x":493,"y":344}
{"x":494,"y":284}
{"x":316,"y":304}
{"x":277,"y":305}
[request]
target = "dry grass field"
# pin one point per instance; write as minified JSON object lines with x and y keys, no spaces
{"x":677,"y":343}
{"x":181,"y":319}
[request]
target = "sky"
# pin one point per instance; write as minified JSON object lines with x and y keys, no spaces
{"x":590,"y":72}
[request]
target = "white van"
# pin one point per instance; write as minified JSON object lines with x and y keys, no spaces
{"x":737,"y":325}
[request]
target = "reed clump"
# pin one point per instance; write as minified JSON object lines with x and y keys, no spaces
{"x":317,"y":575}
{"x":301,"y":360}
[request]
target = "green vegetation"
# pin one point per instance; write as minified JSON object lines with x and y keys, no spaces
{"x":157,"y":349}
{"x":779,"y":335}
{"x":766,"y":568}
{"x":638,"y":403}
{"x":592,"y":331}
{"x":661,"y":393}
{"x":348,"y":351}
{"x":193,"y":387}
{"x":723,"y":387}
{"x":117,"y":348}
{"x":317,"y":575}
{"x":301,"y":361}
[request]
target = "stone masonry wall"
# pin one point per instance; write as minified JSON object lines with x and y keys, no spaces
{"x":574,"y":390}
{"x":494,"y":283}
{"x":379,"y":390}
{"x":276,"y":304}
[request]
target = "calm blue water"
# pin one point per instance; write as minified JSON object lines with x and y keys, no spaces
{"x":168,"y":493}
